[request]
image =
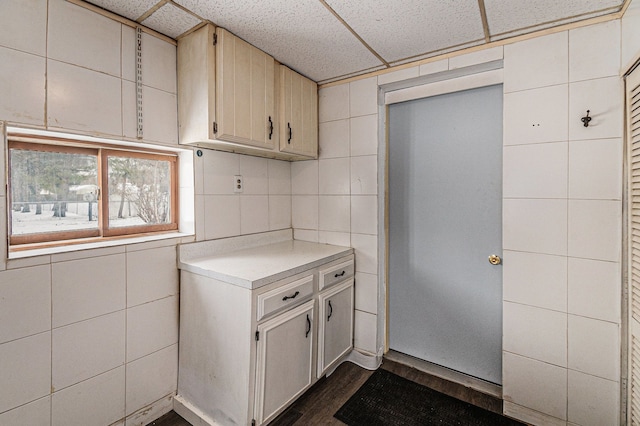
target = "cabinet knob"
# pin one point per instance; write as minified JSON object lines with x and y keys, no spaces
{"x":308,"y":327}
{"x":290,"y":133}
{"x":284,"y":299}
{"x":270,"y":128}
{"x":330,"y":311}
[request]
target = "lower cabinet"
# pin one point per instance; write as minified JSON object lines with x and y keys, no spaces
{"x":284,"y":361}
{"x":247,"y":354}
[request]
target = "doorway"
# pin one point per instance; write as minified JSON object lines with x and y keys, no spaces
{"x":445,"y":221}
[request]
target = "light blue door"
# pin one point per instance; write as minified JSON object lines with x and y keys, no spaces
{"x":445,"y":220}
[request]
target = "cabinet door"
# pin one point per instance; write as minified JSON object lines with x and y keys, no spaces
{"x":284,"y":360}
{"x":245,"y":92}
{"x":336,"y":325}
{"x":298,"y":113}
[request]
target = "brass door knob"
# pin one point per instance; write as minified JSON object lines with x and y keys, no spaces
{"x":494,"y":259}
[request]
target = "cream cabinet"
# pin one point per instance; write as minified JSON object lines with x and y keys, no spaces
{"x":248,"y":348}
{"x":298,"y":114}
{"x":228,"y":98}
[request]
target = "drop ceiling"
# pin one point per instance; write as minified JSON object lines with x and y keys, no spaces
{"x":327,"y":40}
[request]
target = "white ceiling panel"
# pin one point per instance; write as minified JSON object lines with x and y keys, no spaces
{"x":412,"y":27}
{"x":302,"y":34}
{"x":127,"y":8}
{"x":171,"y":20}
{"x":528,"y":15}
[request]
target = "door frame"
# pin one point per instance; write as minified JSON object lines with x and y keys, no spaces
{"x":475,"y":76}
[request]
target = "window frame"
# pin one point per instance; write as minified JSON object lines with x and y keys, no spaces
{"x":102,"y":151}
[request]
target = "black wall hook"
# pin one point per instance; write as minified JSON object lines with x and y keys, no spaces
{"x":586,"y":119}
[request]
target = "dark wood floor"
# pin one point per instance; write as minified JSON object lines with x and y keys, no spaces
{"x":318,"y":404}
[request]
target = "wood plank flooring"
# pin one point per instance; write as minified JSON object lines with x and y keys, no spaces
{"x":318,"y":404}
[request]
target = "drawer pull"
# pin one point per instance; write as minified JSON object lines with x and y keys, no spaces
{"x":330,"y":311}
{"x":308,"y":327}
{"x":340,"y":275}
{"x":291,"y":297}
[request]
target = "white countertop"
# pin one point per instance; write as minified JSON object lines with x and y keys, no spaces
{"x":257,"y":266}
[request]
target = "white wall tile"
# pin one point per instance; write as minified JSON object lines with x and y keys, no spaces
{"x":595,"y":169}
{"x":593,"y":401}
{"x":87,"y":288}
{"x":35,"y":413}
{"x":366,"y":292}
{"x":535,"y":171}
{"x":306,"y":235}
{"x":434,"y":67}
{"x":477,"y":57}
{"x":364,"y":214}
{"x":159,"y":115}
{"x":333,"y":139}
{"x":3,"y":188}
{"x":26,"y":370}
{"x":525,"y":327}
{"x":333,"y":103}
{"x":403,"y":74}
{"x":530,"y":416}
{"x":81,"y":99}
{"x":129,"y":112}
{"x":535,"y":384}
{"x":222,"y":216}
{"x":255,"y":175}
{"x":22,"y":98}
{"x":219,"y":168}
{"x":23,"y":26}
{"x":97,"y":401}
{"x":595,"y":229}
{"x":522,"y":62}
{"x":151,"y":275}
{"x":79,"y":349}
{"x":536,"y":115}
{"x":594,"y":289}
{"x":279,"y":212}
{"x":87,"y":254}
{"x":128,"y":51}
{"x":335,"y":238}
{"x":81,"y":37}
{"x":366,"y":249}
{"x":304,"y":211}
{"x":151,"y":412}
{"x":334,"y":213}
{"x":363,"y":96}
{"x":304,"y":178}
{"x":151,"y":327}
{"x":151,"y":378}
{"x":535,"y":225}
{"x":364,"y":175}
{"x":364,"y":333}
{"x":254,"y":214}
{"x":25,"y":302}
{"x":603,"y":97}
{"x":364,"y":135}
{"x":27,"y":262}
{"x":333,"y":176}
{"x":535,"y":279}
{"x":594,"y":51}
{"x":594,"y":347}
{"x":200,"y":217}
{"x":630,"y":34}
{"x":158,"y":63}
{"x":279,"y":177}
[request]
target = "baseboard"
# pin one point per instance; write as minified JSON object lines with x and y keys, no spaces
{"x":365,"y":360}
{"x":190,"y":413}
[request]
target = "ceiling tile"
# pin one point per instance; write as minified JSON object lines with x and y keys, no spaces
{"x":302,"y":34}
{"x":127,"y":8}
{"x":521,"y":16}
{"x":171,"y":20}
{"x":414,"y":28}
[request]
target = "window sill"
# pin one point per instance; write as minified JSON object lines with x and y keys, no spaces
{"x":21,"y":254}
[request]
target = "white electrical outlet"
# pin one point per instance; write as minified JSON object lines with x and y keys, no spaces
{"x":237,"y":183}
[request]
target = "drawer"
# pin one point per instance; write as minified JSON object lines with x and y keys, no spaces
{"x":285,"y":297}
{"x":335,"y":274}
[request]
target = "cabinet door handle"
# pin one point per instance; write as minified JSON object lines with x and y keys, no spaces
{"x":270,"y":128}
{"x":308,"y":327}
{"x":290,"y":133}
{"x":291,"y":297}
{"x":340,"y":275}
{"x":330,"y":311}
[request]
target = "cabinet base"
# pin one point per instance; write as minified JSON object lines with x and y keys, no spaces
{"x":361,"y":359}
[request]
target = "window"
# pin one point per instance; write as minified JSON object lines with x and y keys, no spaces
{"x":64,"y":192}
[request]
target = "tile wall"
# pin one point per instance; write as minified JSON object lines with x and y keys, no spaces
{"x":91,"y":337}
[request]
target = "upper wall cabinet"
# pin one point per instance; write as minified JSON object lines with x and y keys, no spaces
{"x":298,"y":114}
{"x":228,"y":92}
